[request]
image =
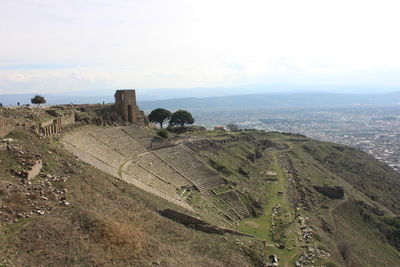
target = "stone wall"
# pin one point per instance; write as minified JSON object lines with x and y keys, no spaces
{"x":35,"y":169}
{"x":6,"y":126}
{"x":333,"y":192}
{"x":67,"y":119}
{"x":197,"y":223}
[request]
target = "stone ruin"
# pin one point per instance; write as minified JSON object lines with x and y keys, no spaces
{"x":6,"y":125}
{"x":198,"y":224}
{"x":125,"y":105}
{"x":333,"y":192}
{"x":53,"y":126}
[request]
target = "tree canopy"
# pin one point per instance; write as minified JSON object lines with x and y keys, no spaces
{"x":159,"y":115}
{"x":181,"y":118}
{"x":38,"y":99}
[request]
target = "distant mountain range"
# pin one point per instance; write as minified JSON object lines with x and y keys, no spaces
{"x":276,"y":100}
{"x":284,"y":100}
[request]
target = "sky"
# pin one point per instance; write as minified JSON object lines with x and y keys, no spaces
{"x":52,"y":46}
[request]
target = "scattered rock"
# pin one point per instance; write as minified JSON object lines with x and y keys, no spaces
{"x":280,"y":246}
{"x":64,"y":202}
{"x":40,"y":212}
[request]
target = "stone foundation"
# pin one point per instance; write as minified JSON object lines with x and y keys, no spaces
{"x":35,"y":169}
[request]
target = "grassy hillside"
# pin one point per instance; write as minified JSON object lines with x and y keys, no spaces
{"x":368,"y":210}
{"x":107,"y":222}
{"x":309,"y":202}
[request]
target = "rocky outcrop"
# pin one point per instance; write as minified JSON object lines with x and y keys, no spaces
{"x":333,"y":192}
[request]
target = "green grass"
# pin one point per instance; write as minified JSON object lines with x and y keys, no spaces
{"x":370,"y":253}
{"x":12,"y":229}
{"x":121,"y":167}
{"x":261,"y":226}
{"x":222,"y":189}
{"x":316,"y":163}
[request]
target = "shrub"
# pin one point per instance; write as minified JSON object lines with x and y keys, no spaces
{"x":162,"y":133}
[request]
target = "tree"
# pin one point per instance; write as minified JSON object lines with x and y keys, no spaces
{"x":181,"y":118}
{"x":38,"y":99}
{"x":159,"y":115}
{"x":232,"y":127}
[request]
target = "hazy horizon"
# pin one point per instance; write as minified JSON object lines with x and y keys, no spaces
{"x":154,"y":94}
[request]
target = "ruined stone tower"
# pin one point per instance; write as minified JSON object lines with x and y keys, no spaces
{"x":125,"y":104}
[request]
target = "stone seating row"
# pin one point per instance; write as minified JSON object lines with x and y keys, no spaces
{"x":132,"y":180}
{"x":233,"y":200}
{"x":96,"y":144}
{"x":90,"y":159}
{"x":107,"y":159}
{"x":136,"y":132}
{"x":151,"y":180}
{"x":200,"y":175}
{"x":119,"y":140}
{"x":147,"y":140}
{"x":99,"y":137}
{"x":160,"y":168}
{"x":100,"y":142}
{"x":95,"y":148}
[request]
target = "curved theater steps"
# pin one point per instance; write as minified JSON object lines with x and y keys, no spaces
{"x":148,"y":162}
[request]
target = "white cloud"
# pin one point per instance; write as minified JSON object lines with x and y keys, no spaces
{"x":179,"y":43}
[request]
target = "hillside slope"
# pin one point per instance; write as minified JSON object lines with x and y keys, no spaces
{"x":307,"y":202}
{"x":345,"y":200}
{"x":75,"y":215}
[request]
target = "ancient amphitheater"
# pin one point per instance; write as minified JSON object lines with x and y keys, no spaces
{"x":150,"y":163}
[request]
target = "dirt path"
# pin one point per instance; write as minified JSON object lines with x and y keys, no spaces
{"x":288,"y":256}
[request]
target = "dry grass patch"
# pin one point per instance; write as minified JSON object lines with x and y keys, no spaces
{"x":17,"y":202}
{"x":122,"y":238}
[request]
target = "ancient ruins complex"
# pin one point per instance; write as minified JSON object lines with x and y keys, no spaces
{"x":132,"y":154}
{"x":164,"y":169}
{"x":170,"y":171}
